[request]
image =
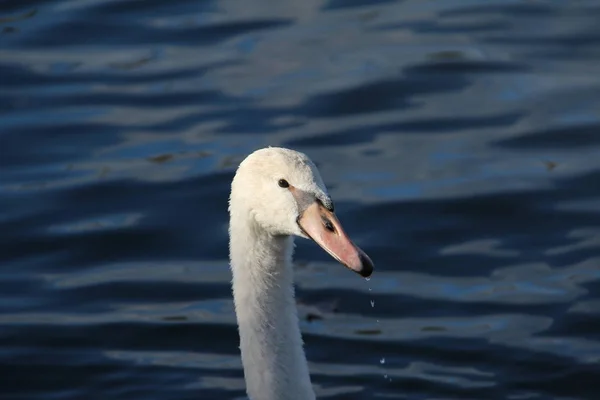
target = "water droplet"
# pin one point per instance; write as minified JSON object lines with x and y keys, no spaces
{"x":369,"y":289}
{"x":385,"y":376}
{"x":377,"y":321}
{"x":368,"y":278}
{"x":382,"y":361}
{"x":372,"y":303}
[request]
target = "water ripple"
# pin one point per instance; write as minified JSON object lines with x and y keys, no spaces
{"x":458,"y":140}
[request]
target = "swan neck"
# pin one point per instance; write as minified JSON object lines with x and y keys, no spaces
{"x":273,"y":357}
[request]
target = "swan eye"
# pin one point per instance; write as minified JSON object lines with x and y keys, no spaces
{"x":283,"y":183}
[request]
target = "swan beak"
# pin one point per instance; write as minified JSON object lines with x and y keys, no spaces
{"x":322,"y":226}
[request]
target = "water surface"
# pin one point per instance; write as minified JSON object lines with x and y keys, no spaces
{"x":459,"y":139}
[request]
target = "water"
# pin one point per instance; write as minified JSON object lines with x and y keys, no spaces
{"x":459,"y":139}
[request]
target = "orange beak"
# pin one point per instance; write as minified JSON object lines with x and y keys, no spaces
{"x":322,"y":226}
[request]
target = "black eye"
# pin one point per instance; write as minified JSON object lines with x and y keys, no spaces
{"x":283,"y":183}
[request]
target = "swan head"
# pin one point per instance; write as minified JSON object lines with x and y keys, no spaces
{"x":282,"y":193}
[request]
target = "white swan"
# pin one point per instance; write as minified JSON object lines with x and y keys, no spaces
{"x":276,"y":194}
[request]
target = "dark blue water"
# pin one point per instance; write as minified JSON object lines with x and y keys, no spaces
{"x":459,"y":139}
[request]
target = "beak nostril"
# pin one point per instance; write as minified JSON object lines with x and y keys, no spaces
{"x":328,"y":225}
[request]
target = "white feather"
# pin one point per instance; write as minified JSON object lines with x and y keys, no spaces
{"x":262,"y":224}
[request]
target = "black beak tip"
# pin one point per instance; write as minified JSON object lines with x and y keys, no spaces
{"x":367,"y":265}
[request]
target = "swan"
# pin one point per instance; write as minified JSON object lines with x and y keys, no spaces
{"x":277,"y":194}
